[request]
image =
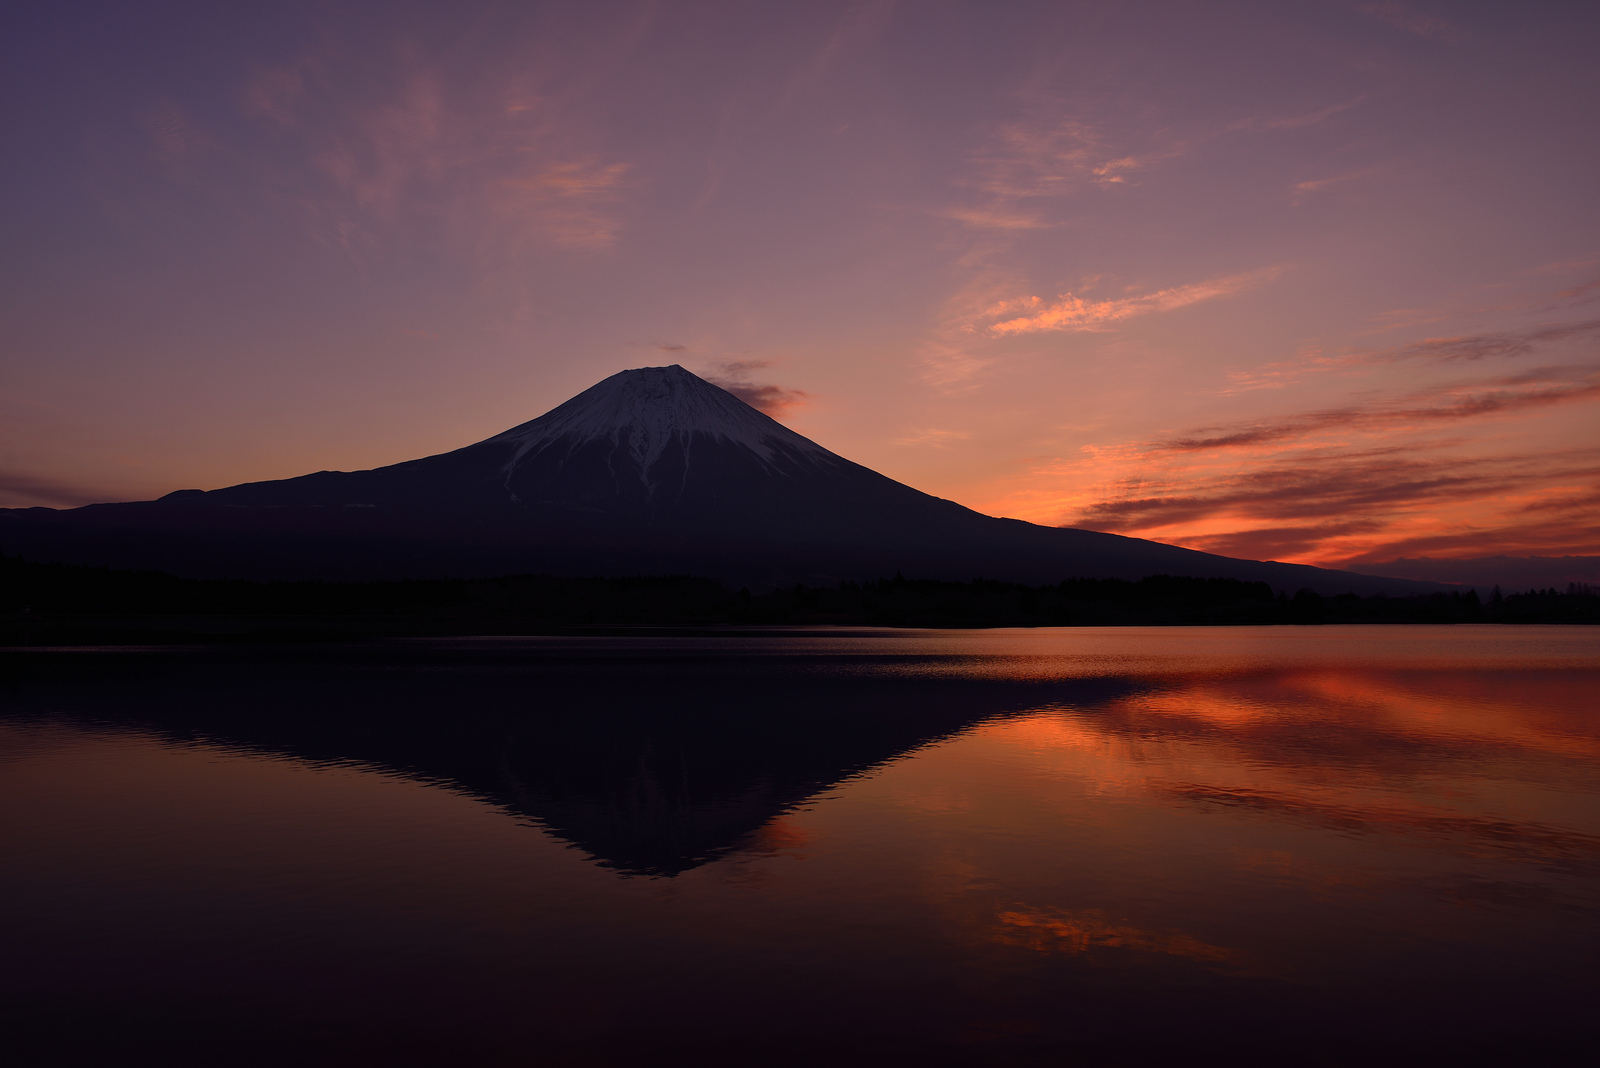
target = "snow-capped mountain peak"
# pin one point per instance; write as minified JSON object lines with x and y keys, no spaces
{"x":646,"y":409}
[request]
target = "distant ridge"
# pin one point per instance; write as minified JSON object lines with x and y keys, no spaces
{"x":651,"y":471}
{"x":1509,"y":572}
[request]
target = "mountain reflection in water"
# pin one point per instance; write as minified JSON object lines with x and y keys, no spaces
{"x":1331,"y":845}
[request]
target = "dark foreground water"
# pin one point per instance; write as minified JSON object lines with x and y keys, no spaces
{"x":1055,"y":847}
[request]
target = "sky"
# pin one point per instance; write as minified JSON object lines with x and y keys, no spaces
{"x":1313,"y":282}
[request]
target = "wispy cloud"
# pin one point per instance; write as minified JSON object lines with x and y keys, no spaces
{"x":490,"y":168}
{"x":21,"y":490}
{"x":1573,"y":296}
{"x":274,"y":93}
{"x":951,"y":368}
{"x":172,"y":133}
{"x":1050,"y":152}
{"x":1279,"y":543}
{"x":996,"y":218}
{"x":860,"y":23}
{"x":1301,"y":190}
{"x":736,"y":376}
{"x":853,"y":31}
{"x":1502,"y":345}
{"x":180,"y":146}
{"x":1561,"y":266}
{"x":1565,"y":535}
{"x":1296,"y":122}
{"x":1505,"y":395}
{"x":1056,"y":153}
{"x":1325,"y":486}
{"x":1494,"y":301}
{"x":934,"y":438}
{"x":1037,"y":157}
{"x":1407,"y":18}
{"x":1118,"y":171}
{"x":573,"y":201}
{"x":1459,"y":348}
{"x":1070,"y":312}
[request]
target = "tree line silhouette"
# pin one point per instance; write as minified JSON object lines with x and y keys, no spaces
{"x":74,"y":604}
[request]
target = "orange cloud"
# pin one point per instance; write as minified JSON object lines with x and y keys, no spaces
{"x":1074,"y":313}
{"x":1339,"y":505}
{"x":1115,"y":171}
{"x":1428,"y":473}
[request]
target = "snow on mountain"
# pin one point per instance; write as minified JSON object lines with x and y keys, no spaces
{"x":646,"y":410}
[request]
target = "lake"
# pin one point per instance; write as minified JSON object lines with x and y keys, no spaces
{"x":1320,"y":845}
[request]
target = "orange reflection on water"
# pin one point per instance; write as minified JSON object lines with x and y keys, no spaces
{"x":937,"y":800}
{"x":1441,"y":756}
{"x":1063,"y":931}
{"x":1462,"y":834}
{"x":781,"y":834}
{"x":1278,"y":821}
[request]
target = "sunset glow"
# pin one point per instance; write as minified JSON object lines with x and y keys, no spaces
{"x":1311,"y":283}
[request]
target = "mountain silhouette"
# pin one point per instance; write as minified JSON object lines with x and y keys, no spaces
{"x":651,"y":471}
{"x":650,"y":761}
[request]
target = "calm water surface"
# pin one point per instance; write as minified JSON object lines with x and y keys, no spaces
{"x":1076,"y":846}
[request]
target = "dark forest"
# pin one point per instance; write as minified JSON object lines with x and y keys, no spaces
{"x":44,"y":604}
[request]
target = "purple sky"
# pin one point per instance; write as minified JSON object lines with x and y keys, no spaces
{"x":1314,"y":282}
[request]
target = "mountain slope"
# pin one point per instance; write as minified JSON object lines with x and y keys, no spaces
{"x":652,"y":470}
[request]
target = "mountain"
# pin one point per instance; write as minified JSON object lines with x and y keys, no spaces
{"x":648,"y":769}
{"x":653,"y":470}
